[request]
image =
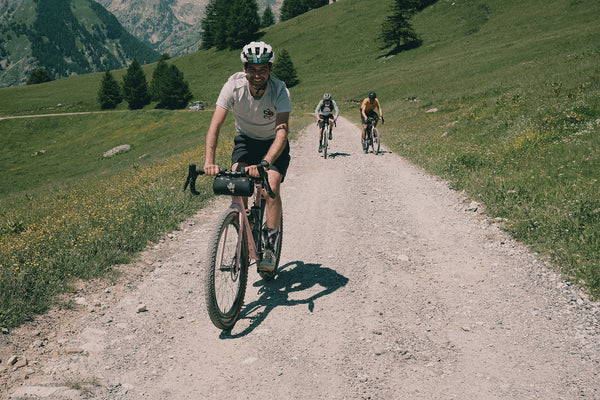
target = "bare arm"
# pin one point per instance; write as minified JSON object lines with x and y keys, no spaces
{"x":278,"y":144}
{"x":212,"y":138}
{"x":282,"y":127}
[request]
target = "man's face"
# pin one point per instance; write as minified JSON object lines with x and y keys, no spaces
{"x":258,"y":74}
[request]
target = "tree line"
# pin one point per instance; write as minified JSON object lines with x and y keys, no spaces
{"x":232,"y":23}
{"x":167,"y":87}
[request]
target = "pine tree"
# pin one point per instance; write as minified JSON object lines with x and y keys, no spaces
{"x":214,"y":24}
{"x":109,"y":94}
{"x":284,"y":69}
{"x":243,"y":23}
{"x":397,"y":32}
{"x":159,"y":78}
{"x":209,"y":25}
{"x":135,"y":87}
{"x":175,"y":92}
{"x":38,"y":76}
{"x":268,"y":18}
{"x":293,"y":8}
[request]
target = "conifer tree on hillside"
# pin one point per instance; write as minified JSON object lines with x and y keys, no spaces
{"x":397,"y":33}
{"x":40,"y":75}
{"x":268,"y":18}
{"x":175,"y":92}
{"x":214,"y":24}
{"x":109,"y":94}
{"x":243,"y":23}
{"x":293,"y":8}
{"x":290,"y":9}
{"x":135,"y":87}
{"x":229,"y":23}
{"x":159,"y":78}
{"x":284,"y":69}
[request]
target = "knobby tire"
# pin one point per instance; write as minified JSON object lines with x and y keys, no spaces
{"x":376,"y":141}
{"x":225,"y":288}
{"x":325,"y":141}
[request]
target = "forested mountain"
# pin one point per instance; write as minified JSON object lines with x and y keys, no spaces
{"x":168,"y":26}
{"x":65,"y":37}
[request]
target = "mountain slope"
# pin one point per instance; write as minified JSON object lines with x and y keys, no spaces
{"x":66,"y":37}
{"x":168,"y":26}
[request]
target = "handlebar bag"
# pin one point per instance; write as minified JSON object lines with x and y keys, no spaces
{"x":233,"y":186}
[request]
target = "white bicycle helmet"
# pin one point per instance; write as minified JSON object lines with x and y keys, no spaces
{"x":257,"y":53}
{"x":326,"y":96}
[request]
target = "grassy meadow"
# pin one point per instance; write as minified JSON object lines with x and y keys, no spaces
{"x":515,"y":86}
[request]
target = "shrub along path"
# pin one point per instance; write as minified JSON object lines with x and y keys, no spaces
{"x":392,"y":286}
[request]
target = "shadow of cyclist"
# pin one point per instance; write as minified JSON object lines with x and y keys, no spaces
{"x":334,"y":155}
{"x":294,"y":277}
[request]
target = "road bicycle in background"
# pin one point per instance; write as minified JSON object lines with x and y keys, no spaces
{"x":236,"y":242}
{"x":372,"y":138}
{"x":326,"y":134}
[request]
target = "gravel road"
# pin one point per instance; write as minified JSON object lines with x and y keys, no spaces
{"x":392,"y":286}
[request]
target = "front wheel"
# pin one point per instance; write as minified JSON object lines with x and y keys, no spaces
{"x":325,"y":141}
{"x":226,"y":272}
{"x":376,"y":141}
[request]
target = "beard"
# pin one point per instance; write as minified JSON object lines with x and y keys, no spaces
{"x":258,"y":84}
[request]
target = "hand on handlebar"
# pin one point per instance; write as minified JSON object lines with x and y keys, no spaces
{"x":382,"y":120}
{"x":252,"y":170}
{"x":256,"y":171}
{"x":211,"y":169}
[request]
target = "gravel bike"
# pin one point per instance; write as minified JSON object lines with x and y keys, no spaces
{"x":236,"y":242}
{"x":326,"y":133}
{"x":372,"y":138}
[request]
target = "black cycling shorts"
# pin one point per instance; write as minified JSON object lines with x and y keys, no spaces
{"x":371,"y":114}
{"x":323,"y":117}
{"x":252,"y":151}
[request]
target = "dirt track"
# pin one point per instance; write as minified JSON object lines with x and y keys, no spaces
{"x":392,"y":287}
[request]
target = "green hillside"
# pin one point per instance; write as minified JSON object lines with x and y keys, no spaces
{"x":516,"y":87}
{"x":65,"y":37}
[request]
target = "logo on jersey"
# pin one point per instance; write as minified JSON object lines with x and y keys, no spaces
{"x":268,"y":114}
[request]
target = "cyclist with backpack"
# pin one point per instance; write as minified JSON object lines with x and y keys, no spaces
{"x":367,"y":109}
{"x":325,"y":110}
{"x":261,"y":106}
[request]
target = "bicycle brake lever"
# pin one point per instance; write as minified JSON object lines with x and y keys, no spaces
{"x":191,"y":179}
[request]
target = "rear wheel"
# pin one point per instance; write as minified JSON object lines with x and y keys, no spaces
{"x":227,"y":272}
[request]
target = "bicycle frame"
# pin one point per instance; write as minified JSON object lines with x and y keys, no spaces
{"x":237,"y":202}
{"x":370,"y":123}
